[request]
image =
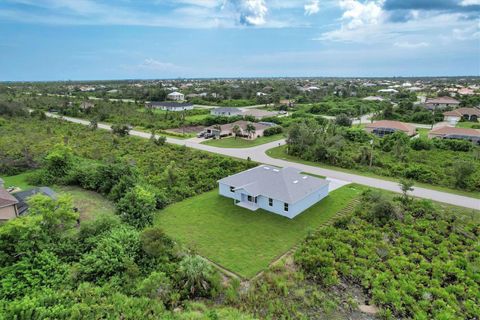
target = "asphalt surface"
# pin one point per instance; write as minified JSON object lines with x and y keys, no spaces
{"x":337,"y":178}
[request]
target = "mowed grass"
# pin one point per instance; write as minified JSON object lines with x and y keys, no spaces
{"x":468,"y":124}
{"x":240,"y":240}
{"x":19,"y":181}
{"x":231,"y":142}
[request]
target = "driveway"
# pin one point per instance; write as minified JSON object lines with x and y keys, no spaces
{"x":337,"y":178}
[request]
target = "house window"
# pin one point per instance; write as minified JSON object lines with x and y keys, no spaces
{"x":270,"y":202}
{"x":285,"y":206}
{"x":232,"y":189}
{"x":255,"y":199}
{"x":249,"y":198}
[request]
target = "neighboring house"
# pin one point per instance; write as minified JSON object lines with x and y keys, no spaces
{"x":169,"y":106}
{"x":441,"y":103}
{"x":373,"y":98}
{"x":23,"y":196}
{"x":176,"y":96}
{"x":287,"y":102}
{"x":283,"y":191}
{"x":259,"y":114}
{"x":226,"y":112}
{"x":85,"y":105}
{"x":388,"y":91}
{"x":446,"y":132}
{"x":384,"y":127}
{"x":8,"y":204}
{"x":467,"y":114}
{"x":466,"y":92}
{"x":224,"y":130}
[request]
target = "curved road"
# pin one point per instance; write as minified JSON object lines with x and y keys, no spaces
{"x":337,"y":178}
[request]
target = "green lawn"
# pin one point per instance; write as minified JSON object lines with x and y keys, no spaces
{"x":423,"y":133}
{"x":279,"y":153}
{"x":467,"y":124}
{"x":231,"y":142}
{"x":240,"y":240}
{"x":90,"y":204}
{"x":197,"y":117}
{"x":19,"y":181}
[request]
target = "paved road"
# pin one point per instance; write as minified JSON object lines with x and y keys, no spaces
{"x":337,"y":178}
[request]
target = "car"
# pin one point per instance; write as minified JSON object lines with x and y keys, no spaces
{"x":201,"y":134}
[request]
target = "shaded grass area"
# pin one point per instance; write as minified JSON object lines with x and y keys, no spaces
{"x":240,"y":240}
{"x":231,"y":142}
{"x":89,"y":204}
{"x":279,"y":153}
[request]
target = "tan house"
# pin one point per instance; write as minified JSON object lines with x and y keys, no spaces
{"x":446,"y":132}
{"x":8,"y":204}
{"x":85,"y":105}
{"x":384,"y":127}
{"x":225,"y":130}
{"x":468,"y":114}
{"x":441,"y":103}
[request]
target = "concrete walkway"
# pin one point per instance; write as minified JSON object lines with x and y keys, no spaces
{"x":337,"y":178}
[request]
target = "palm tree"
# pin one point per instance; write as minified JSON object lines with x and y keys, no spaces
{"x":236,"y":130}
{"x":250,"y":129}
{"x":196,"y":275}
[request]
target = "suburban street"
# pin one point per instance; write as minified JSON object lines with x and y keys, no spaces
{"x":337,"y":178}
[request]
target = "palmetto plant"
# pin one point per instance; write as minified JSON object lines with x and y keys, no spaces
{"x":196,"y":275}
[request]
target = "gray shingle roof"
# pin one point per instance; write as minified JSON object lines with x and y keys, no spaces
{"x":284,"y":184}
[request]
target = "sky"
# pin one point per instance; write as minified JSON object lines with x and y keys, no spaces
{"x":158,"y":39}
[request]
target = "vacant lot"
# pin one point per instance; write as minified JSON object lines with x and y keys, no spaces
{"x":231,"y":142}
{"x":240,"y":240}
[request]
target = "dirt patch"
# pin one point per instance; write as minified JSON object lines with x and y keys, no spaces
{"x":368,"y":309}
{"x":189,"y":129}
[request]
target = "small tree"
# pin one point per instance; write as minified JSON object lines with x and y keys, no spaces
{"x":197,"y":277}
{"x":236,"y":130}
{"x":137,"y":207}
{"x":121,"y":130}
{"x":406,"y":185}
{"x":250,"y":130}
{"x":343,"y":120}
{"x":462,"y":171}
{"x":93,"y":124}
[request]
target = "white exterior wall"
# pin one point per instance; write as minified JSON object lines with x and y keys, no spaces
{"x":452,"y":119}
{"x":177,"y":109}
{"x":278,"y":206}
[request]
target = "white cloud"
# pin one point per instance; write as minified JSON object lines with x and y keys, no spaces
{"x":312,"y":7}
{"x":412,"y":45}
{"x":249,"y":12}
{"x":466,"y":3}
{"x":358,"y":13}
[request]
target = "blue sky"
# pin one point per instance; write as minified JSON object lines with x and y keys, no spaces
{"x":88,"y":39}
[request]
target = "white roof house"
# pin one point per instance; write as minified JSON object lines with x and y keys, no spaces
{"x":283,"y":191}
{"x":176,"y":96}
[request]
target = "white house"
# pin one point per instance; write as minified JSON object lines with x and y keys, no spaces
{"x":226,"y":112}
{"x":176,"y":96}
{"x":169,"y":106}
{"x":283,"y":191}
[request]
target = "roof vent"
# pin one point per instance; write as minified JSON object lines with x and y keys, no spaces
{"x":276,"y":170}
{"x":296,"y":181}
{"x":266,"y":168}
{"x":304,"y":177}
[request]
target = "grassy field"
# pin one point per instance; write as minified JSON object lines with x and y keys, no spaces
{"x":90,"y":204}
{"x":279,"y":153}
{"x":231,"y":142}
{"x":197,"y":117}
{"x":240,"y":240}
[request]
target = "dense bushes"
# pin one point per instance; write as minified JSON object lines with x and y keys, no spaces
{"x":416,"y":263}
{"x":396,"y":155}
{"x":111,"y":165}
{"x":51,"y":268}
{"x":272,"y":131}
